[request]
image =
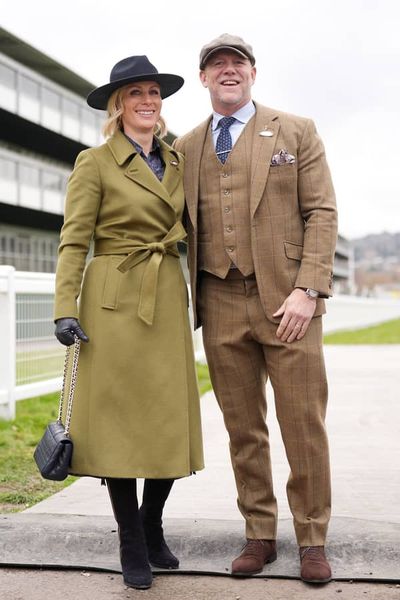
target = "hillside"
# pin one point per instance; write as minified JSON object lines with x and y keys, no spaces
{"x":377,"y":246}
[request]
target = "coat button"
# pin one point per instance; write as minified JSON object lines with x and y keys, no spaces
{"x":230,"y":248}
{"x":227,"y":192}
{"x":229,"y":228}
{"x":227,"y":209}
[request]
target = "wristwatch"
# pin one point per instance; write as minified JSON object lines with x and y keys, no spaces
{"x":312,"y":293}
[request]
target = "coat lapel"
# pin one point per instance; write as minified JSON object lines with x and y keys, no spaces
{"x":263,"y":148}
{"x":192,"y":169}
{"x":173,"y":168}
{"x":137,"y":170}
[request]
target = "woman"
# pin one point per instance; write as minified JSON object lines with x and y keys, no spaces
{"x":136,"y":407}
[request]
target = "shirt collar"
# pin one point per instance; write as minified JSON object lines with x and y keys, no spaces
{"x":138,"y":147}
{"x":243,"y":115}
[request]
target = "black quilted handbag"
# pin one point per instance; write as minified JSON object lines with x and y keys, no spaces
{"x":53,"y":453}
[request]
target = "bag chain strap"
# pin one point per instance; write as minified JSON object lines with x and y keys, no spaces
{"x":75,"y":357}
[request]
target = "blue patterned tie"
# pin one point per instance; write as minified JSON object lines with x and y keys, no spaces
{"x":224,"y":140}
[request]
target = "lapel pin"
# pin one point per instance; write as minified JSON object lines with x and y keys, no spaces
{"x":266,"y":133}
{"x":174,"y":163}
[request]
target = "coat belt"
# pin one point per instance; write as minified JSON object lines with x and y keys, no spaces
{"x":156,"y":251}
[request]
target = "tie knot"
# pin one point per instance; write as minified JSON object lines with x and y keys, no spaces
{"x":226,"y":122}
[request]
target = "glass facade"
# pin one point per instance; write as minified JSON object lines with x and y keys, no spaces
{"x":8,"y":181}
{"x":32,"y":183}
{"x":70,"y":119}
{"x":8,"y":88}
{"x":29,"y":187}
{"x":28,"y":249}
{"x":41,"y":101}
{"x":29,"y":99}
{"x":51,"y":109}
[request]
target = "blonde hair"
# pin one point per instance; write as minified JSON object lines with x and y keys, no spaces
{"x":115,"y":111}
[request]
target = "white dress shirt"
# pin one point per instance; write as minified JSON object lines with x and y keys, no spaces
{"x":242,"y":116}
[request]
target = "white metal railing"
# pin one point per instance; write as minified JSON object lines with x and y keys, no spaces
{"x":31,"y":359}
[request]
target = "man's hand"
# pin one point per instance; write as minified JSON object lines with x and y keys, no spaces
{"x":67,"y":328}
{"x":296,"y":312}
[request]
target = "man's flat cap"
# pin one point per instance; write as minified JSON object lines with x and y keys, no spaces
{"x":226,"y":41}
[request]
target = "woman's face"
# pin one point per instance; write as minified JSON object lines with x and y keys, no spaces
{"x":141,"y":104}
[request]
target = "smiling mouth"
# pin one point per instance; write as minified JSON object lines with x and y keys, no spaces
{"x":229,"y":83}
{"x":146,"y":113}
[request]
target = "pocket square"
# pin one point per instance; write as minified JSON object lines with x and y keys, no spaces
{"x":282,"y":158}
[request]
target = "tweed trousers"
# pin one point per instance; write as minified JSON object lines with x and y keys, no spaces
{"x":242,"y":351}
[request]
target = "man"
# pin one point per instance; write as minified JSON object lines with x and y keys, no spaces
{"x":262,"y":227}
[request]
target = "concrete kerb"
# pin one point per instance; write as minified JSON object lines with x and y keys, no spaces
{"x":358,"y":550}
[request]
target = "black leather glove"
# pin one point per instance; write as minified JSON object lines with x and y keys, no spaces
{"x":67,"y":328}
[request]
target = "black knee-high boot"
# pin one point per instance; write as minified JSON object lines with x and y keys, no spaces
{"x":135,"y":565}
{"x":155,"y":493}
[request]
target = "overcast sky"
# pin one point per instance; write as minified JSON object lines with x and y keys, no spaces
{"x":336,"y":61}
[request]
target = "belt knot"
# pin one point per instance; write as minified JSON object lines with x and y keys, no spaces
{"x":157,"y":247}
{"x":154,"y":252}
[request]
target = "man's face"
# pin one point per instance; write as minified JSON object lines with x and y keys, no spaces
{"x":228,"y":77}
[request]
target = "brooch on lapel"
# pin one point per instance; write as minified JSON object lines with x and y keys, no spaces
{"x":282,"y":158}
{"x":266,"y":133}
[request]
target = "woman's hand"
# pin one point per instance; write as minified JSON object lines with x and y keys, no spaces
{"x":67,"y":328}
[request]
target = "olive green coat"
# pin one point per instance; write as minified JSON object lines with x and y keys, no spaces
{"x":136,"y":407}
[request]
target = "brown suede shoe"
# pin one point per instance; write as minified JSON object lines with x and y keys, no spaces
{"x":254,"y":555}
{"x":314,"y":566}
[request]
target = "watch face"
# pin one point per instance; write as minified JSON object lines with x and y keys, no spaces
{"x":312,"y":293}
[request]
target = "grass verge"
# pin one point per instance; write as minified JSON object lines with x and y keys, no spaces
{"x":384,"y":333}
{"x":20,"y":482}
{"x":21,"y":485}
{"x":203,"y":377}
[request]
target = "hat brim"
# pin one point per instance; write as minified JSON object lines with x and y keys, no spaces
{"x":169,"y":84}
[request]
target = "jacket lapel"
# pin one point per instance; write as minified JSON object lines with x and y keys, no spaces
{"x":263,"y":148}
{"x":192,"y":168}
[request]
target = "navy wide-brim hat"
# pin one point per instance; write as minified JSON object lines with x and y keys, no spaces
{"x":129,"y":70}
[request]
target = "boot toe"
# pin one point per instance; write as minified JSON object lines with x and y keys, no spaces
{"x":138,"y":585}
{"x":163,"y":558}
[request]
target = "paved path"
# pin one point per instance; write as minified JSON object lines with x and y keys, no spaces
{"x":64,"y":585}
{"x":363,"y":425}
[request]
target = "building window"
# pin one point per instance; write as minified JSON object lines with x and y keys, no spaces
{"x":52,"y":192}
{"x":23,"y":254}
{"x":29,"y":187}
{"x":70,"y":119}
{"x":29,"y":100}
{"x":90,"y":133}
{"x":51,"y":109}
{"x":8,"y":88}
{"x":8,"y":181}
{"x":28,"y":251}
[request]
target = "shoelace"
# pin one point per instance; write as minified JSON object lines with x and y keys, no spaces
{"x":252,"y":547}
{"x":313,"y":552}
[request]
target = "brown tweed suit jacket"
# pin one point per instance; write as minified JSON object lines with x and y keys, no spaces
{"x":292,"y":208}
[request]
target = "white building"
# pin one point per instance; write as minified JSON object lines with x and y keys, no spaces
{"x":45,"y":123}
